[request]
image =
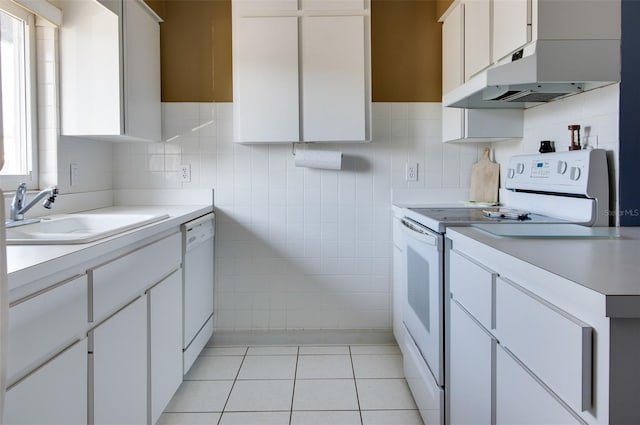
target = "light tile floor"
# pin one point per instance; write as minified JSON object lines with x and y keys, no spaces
{"x":295,"y":385}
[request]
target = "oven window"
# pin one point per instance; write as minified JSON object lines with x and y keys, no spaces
{"x":418,"y":285}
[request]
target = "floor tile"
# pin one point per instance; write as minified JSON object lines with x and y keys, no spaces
{"x":214,"y":367}
{"x":268,"y":367}
{"x":325,"y":394}
{"x":200,"y":396}
{"x":396,"y":417}
{"x":324,"y":366}
{"x":384,"y":394}
{"x":189,"y":419}
{"x":375,"y":349}
{"x":324,"y":349}
{"x":378,"y":366}
{"x":326,"y":418}
{"x":255,"y":418}
{"x":224,"y":351}
{"x":272,"y":350}
{"x":261,"y":395}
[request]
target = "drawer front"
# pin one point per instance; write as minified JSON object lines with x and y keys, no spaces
{"x":428,"y":395}
{"x":118,"y":282}
{"x":473,"y":287}
{"x":471,"y":366}
{"x":554,"y":345}
{"x":521,"y":399}
{"x":43,"y":325}
{"x":56,"y":393}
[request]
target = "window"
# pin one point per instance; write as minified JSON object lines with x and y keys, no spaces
{"x":17,"y":77}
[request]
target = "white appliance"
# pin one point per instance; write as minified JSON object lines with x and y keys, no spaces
{"x":562,"y":187}
{"x":198,"y":277}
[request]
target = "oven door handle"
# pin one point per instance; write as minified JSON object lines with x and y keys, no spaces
{"x":420,"y":234}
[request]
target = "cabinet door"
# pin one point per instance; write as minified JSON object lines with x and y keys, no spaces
{"x":477,"y":37}
{"x":119,"y":360}
{"x":472,"y":351}
{"x":511,"y":26}
{"x":334,"y":78}
{"x":520,"y":399}
{"x":41,"y":326}
{"x":90,"y":66}
{"x":165,"y":323}
{"x":452,"y":50}
{"x":54,"y":394}
{"x":265,"y":89}
{"x":142,"y":72}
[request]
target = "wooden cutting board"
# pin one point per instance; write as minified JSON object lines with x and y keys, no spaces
{"x":485,"y":175}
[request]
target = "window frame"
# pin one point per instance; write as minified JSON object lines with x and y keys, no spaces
{"x":9,"y":182}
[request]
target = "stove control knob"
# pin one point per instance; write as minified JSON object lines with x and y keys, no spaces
{"x":574,"y":173}
{"x":519,"y":168}
{"x":562,"y":167}
{"x":510,"y":173}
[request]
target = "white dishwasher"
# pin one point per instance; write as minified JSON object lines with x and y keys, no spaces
{"x":198,"y":277}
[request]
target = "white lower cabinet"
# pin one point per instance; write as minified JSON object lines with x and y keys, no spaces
{"x":56,"y":393}
{"x":471,"y":370}
{"x":521,"y":399}
{"x":118,"y":361}
{"x":165,"y":342}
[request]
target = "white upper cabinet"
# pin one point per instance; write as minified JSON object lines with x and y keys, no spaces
{"x":511,"y":26}
{"x":265,"y":65}
{"x":301,"y":71}
{"x":110,"y":70}
{"x":334,"y":97}
{"x":453,"y":48}
{"x":477,"y":37}
{"x":461,"y":22}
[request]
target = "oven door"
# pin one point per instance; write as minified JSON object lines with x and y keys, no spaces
{"x":422,"y":311}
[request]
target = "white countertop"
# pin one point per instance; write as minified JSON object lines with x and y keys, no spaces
{"x":610,"y":267}
{"x":30,"y":263}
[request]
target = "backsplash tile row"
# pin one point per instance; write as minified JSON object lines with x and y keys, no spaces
{"x":299,"y":248}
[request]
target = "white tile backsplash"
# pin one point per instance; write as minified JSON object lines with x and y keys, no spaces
{"x":299,"y":248}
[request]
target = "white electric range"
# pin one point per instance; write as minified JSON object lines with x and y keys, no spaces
{"x":559,"y":187}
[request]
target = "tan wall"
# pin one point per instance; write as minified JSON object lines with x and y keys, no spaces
{"x":196,"y":50}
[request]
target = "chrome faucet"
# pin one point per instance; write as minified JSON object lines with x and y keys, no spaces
{"x":17,"y":204}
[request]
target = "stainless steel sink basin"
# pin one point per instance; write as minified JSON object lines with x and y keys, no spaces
{"x":77,"y":228}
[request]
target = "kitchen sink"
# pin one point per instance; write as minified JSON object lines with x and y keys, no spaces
{"x":67,"y":229}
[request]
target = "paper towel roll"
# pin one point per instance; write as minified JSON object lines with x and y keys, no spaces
{"x":330,"y":160}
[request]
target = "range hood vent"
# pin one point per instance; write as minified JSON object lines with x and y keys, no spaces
{"x":543,"y":71}
{"x":530,"y":92}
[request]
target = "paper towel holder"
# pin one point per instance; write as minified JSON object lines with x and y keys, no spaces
{"x":320,"y":159}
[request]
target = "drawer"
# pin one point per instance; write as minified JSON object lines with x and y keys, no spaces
{"x":521,"y":399}
{"x":116,"y":283}
{"x":42,"y":325}
{"x":55,"y":393}
{"x":554,"y":345}
{"x":472,"y":285}
{"x":426,"y":392}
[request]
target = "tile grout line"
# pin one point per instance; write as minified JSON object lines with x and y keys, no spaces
{"x":233,"y":385}
{"x":293,"y":392}
{"x":355,"y":384}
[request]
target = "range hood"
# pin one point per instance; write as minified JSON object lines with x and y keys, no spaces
{"x":543,"y":71}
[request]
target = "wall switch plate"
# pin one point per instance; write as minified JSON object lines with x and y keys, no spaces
{"x":185,"y":173}
{"x":74,"y":174}
{"x":412,"y":171}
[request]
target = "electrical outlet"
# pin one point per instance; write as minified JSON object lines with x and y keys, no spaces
{"x":74,"y":174}
{"x":412,"y":171}
{"x":185,"y":173}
